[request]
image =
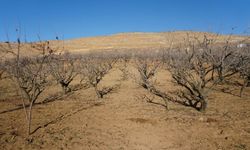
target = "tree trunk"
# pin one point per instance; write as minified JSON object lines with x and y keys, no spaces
{"x":30,"y":117}
{"x":98,"y":93}
{"x":212,"y":78}
{"x":245,"y":84}
{"x":25,"y":110}
{"x":248,"y":81}
{"x":203,"y":106}
{"x":166,"y":103}
{"x":220,"y":74}
{"x":65,"y":88}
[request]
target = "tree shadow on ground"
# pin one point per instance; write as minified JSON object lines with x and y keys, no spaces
{"x":52,"y":98}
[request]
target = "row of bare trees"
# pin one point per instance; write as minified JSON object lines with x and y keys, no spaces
{"x":195,"y":67}
{"x":34,"y":74}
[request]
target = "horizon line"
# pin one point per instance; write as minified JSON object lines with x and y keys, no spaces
{"x":132,"y":32}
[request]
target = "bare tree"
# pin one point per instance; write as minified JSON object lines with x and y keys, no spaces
{"x":93,"y":69}
{"x":31,"y":74}
{"x":221,"y":55}
{"x":227,"y":60}
{"x":63,"y":69}
{"x":147,"y":68}
{"x":124,"y":61}
{"x":190,"y":72}
{"x":241,"y":64}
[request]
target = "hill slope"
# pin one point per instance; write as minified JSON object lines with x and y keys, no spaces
{"x":125,"y":41}
{"x":137,"y":40}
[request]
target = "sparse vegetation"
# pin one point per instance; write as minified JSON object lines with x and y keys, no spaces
{"x":190,"y":74}
{"x":63,"y":69}
{"x":147,"y":69}
{"x":93,"y":69}
{"x":30,"y":74}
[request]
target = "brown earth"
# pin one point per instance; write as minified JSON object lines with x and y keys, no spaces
{"x":124,"y":120}
{"x":126,"y":41}
{"x":140,"y":40}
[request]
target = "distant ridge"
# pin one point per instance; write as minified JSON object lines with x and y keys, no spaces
{"x":137,"y":40}
{"x":130,"y":41}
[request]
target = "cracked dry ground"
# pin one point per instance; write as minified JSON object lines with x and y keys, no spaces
{"x":122,"y":120}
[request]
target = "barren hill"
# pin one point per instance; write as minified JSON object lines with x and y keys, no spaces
{"x":125,"y":41}
{"x":138,"y":40}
